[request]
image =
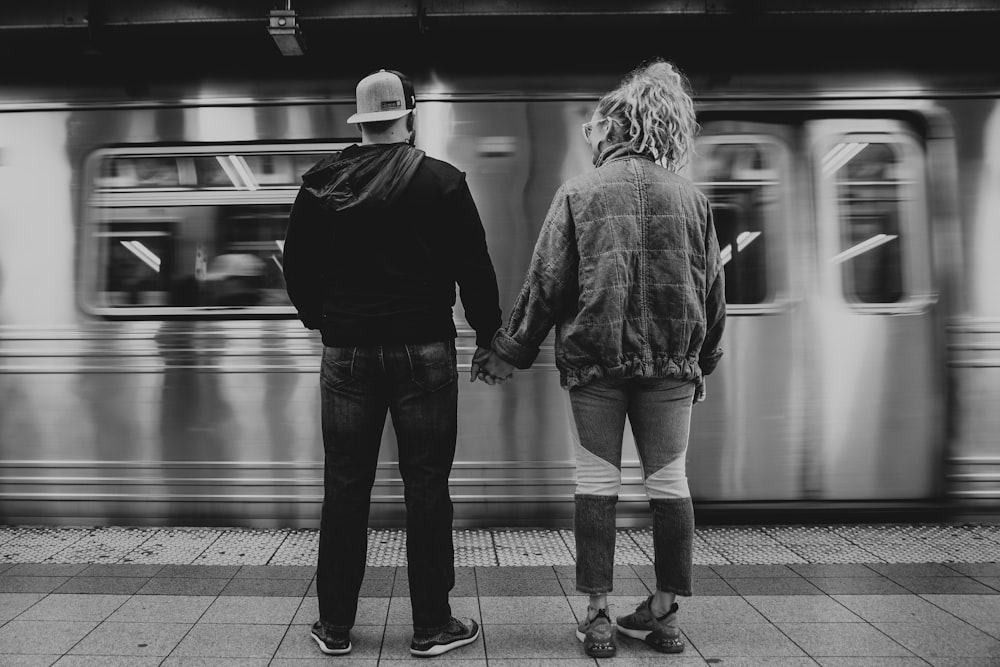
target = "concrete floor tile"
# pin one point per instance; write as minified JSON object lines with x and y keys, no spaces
{"x":535,"y":609}
{"x":884,"y":661}
{"x":944,"y":585}
{"x":252,"y":610}
{"x":178,"y":586}
{"x":103,"y":585}
{"x":366,"y":644}
{"x":773,"y":586}
{"x":746,"y":640}
{"x":29,"y":660}
{"x":766,"y":661}
{"x":57,"y":607}
{"x":896,"y":570}
{"x":134,"y":639}
{"x":106,"y":661}
{"x":841,"y":639}
{"x":981,"y":611}
{"x":753,"y":571}
{"x":266,"y":587}
{"x":943,"y":641}
{"x":31,"y":637}
{"x":199,"y":571}
{"x":217,"y":662}
{"x":30,"y":584}
{"x":802,"y":608}
{"x":314,"y":662}
{"x":976,"y":569}
{"x":45,"y":570}
{"x":396,"y":646}
{"x":401,"y":613}
{"x":121,"y":570}
{"x":555,"y":662}
{"x":370,"y":588}
{"x":276,"y":572}
{"x":895,"y":609}
{"x":537,"y":641}
{"x":718,"y":610}
{"x":465,"y":582}
{"x":711,"y":587}
{"x":162,"y":609}
{"x":962,"y":662}
{"x":858,"y":586}
{"x":992,"y":582}
{"x":220,"y":640}
{"x":371,"y":611}
{"x":810,"y":570}
{"x":506,"y":582}
{"x":12,"y":604}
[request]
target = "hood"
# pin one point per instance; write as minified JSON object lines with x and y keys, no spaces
{"x":363,"y":176}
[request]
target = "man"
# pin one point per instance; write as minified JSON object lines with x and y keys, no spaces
{"x":377,"y":239}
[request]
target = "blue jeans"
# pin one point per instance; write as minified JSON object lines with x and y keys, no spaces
{"x":659,"y":410}
{"x":418,"y":385}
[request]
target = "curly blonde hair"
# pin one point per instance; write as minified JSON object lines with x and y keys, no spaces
{"x":654,"y":103}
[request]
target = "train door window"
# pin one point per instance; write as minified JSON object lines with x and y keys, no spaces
{"x":874,"y":188}
{"x":741,"y":178}
{"x":191,"y":231}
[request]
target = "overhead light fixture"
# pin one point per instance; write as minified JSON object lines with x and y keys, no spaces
{"x":284,"y":28}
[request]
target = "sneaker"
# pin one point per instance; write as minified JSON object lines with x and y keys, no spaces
{"x":597,"y":634}
{"x":331,"y":639}
{"x":661,"y":632}
{"x":456,"y":633}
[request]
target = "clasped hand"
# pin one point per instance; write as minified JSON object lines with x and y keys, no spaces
{"x":489,"y":368}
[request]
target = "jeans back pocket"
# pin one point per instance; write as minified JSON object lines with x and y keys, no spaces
{"x":433,"y":366}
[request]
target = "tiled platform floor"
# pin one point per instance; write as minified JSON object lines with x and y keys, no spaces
{"x":783,"y":596}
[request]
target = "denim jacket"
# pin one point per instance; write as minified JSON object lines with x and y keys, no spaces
{"x":627,"y":268}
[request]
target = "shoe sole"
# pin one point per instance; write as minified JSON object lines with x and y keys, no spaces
{"x":596,"y":654}
{"x":634,"y":634}
{"x":330,"y":651}
{"x":644,"y":636}
{"x":438,"y":649}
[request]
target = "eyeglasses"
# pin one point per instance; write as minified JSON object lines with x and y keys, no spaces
{"x":588,"y":127}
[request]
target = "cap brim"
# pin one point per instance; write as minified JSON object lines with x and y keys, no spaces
{"x":377,"y":116}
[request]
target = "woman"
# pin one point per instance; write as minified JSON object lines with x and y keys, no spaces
{"x":627,"y":268}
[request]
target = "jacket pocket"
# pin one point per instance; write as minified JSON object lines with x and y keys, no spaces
{"x":433,"y":366}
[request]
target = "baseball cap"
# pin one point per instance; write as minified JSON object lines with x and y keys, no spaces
{"x":384,"y":95}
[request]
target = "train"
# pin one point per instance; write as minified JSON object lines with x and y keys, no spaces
{"x":153,"y":371}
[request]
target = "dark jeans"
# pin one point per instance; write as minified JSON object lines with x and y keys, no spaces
{"x":659,"y":410}
{"x":418,"y":385}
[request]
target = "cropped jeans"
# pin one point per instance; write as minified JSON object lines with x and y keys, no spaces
{"x":418,"y":385}
{"x":659,"y":410}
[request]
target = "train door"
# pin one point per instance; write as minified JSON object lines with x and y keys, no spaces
{"x":746,"y":441}
{"x":879,"y":422}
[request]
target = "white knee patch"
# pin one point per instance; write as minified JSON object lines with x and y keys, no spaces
{"x":670,"y":481}
{"x":594,"y":475}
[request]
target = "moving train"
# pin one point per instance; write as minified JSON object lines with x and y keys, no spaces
{"x":152,"y":370}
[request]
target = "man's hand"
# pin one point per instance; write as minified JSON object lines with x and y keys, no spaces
{"x":489,"y":368}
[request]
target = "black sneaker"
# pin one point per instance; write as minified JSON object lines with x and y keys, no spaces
{"x":661,"y":632}
{"x":597,"y":634}
{"x":456,"y":633}
{"x":331,"y":639}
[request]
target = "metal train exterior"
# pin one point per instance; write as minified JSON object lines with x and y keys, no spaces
{"x":152,"y":371}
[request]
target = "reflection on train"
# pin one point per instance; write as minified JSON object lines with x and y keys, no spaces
{"x":152,"y":369}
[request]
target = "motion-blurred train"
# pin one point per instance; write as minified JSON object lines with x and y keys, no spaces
{"x":152,"y":370}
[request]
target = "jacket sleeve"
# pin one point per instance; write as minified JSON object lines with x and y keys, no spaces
{"x":715,"y":298}
{"x":475,"y":275}
{"x":550,"y":287}
{"x":301,"y":260}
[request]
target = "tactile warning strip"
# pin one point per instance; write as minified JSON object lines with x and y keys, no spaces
{"x":713,"y":545}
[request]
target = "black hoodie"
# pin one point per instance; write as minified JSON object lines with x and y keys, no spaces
{"x":377,"y":239}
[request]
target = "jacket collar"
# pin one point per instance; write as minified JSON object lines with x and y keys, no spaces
{"x":619,"y":151}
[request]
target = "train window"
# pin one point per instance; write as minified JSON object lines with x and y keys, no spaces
{"x":871,"y":198}
{"x":191,"y":231}
{"x":741,"y":179}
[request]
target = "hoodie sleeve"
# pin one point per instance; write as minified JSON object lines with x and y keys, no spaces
{"x":715,"y":299}
{"x":301,"y":260}
{"x":476,"y":277}
{"x":549,"y":288}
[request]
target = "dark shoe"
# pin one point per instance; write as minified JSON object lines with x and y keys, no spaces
{"x":597,"y":634}
{"x":453,"y":635}
{"x":331,"y":639}
{"x":661,"y":632}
